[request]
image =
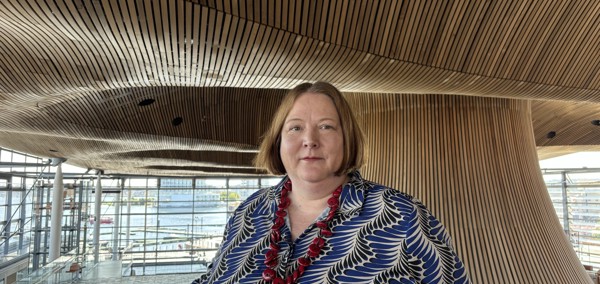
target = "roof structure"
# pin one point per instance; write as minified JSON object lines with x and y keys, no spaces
{"x":74,"y":73}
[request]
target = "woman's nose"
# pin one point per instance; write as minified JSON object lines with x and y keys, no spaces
{"x":310,"y":140}
{"x":310,"y":144}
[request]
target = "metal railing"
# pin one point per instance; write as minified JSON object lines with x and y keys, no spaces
{"x":57,"y":271}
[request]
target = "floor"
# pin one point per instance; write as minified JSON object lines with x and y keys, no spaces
{"x":185,"y":278}
{"x":111,"y":271}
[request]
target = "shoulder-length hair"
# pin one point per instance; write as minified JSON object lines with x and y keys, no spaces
{"x":354,"y":142}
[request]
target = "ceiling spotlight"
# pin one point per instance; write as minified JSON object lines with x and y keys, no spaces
{"x":146,"y":102}
{"x":177,"y":121}
{"x":596,"y":122}
{"x":53,"y":151}
{"x":551,"y":134}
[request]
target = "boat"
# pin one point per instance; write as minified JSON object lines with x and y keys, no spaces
{"x":103,"y":220}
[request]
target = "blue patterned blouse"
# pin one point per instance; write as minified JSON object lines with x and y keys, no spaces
{"x":380,"y":235}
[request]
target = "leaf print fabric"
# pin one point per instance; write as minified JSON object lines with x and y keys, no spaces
{"x":380,"y":235}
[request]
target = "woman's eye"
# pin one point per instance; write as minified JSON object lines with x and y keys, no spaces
{"x":294,"y":128}
{"x":326,"y":126}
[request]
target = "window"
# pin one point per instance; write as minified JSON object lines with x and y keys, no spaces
{"x":579,"y":212}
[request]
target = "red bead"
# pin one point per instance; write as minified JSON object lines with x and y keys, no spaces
{"x":312,"y":254}
{"x":322,"y":225}
{"x":271,"y":254}
{"x":320,"y":242}
{"x":303,"y":261}
{"x":313,"y":250}
{"x":284,"y":203}
{"x":333,"y":201}
{"x":333,"y":209}
{"x":278,"y":223}
{"x":268,"y":274}
{"x":337,"y":193}
{"x":330,"y":215}
{"x":275,"y":236}
{"x":272,"y":263}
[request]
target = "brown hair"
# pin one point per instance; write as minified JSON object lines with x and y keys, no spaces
{"x":354,"y":142}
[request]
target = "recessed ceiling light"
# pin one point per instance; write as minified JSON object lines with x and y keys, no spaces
{"x":596,"y":122}
{"x":551,"y":134}
{"x":177,"y":121}
{"x":146,"y":102}
{"x":53,"y":151}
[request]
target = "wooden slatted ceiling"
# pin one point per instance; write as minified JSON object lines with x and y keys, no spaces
{"x":214,"y":119}
{"x":571,"y":122}
{"x":53,"y":52}
{"x":493,"y":39}
{"x":137,"y":153}
{"x":532,"y":49}
{"x":116,"y":112}
{"x":229,"y":115}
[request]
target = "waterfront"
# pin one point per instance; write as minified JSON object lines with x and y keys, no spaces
{"x":163,"y":239}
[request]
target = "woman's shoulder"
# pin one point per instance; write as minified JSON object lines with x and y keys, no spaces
{"x":260,"y":202}
{"x":396,"y":200}
{"x":370,"y":187}
{"x":261,"y":196}
{"x":389,"y":193}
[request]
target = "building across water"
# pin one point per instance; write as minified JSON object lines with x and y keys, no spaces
{"x":200,"y":199}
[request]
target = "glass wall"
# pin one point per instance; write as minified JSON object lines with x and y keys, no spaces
{"x":169,"y":225}
{"x":165,"y":225}
{"x":576,"y":198}
{"x":16,"y":203}
{"x":175,"y":225}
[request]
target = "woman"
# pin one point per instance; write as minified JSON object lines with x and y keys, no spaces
{"x":323,"y":223}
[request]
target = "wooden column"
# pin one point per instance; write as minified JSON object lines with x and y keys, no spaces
{"x":473,"y":162}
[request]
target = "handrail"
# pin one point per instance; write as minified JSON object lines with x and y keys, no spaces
{"x":53,"y":272}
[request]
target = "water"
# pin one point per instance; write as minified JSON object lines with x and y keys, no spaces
{"x":162,"y":229}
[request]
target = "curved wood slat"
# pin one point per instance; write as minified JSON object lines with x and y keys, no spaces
{"x":473,"y":162}
{"x":571,"y":123}
{"x":455,"y":48}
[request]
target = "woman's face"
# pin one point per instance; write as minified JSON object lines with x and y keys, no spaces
{"x":311,"y":139}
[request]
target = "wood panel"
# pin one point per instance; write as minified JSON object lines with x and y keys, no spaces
{"x":569,"y":121}
{"x":473,"y":162}
{"x":531,"y":50}
{"x":226,"y":115}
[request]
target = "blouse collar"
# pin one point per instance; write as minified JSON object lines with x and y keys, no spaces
{"x":351,"y":199}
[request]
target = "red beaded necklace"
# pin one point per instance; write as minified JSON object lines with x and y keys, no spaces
{"x":271,"y":259}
